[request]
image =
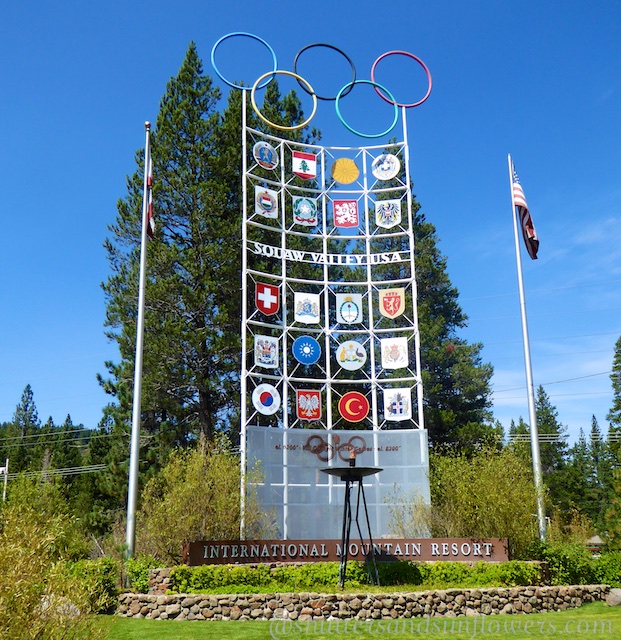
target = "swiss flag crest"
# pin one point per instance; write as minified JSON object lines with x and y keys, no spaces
{"x":308,"y":403}
{"x":267,"y":298}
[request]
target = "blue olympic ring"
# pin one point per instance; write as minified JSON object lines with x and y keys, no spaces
{"x":248,"y":35}
{"x":377,"y":86}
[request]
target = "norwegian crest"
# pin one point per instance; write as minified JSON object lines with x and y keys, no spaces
{"x":392,"y":302}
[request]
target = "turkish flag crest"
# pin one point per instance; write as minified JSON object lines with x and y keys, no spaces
{"x":392,"y":302}
{"x":267,"y":298}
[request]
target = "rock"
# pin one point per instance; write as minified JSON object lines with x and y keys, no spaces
{"x":613,"y":599}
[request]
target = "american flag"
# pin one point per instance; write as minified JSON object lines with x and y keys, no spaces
{"x":528,"y":228}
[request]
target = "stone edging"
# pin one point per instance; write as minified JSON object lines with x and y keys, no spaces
{"x":361,"y":606}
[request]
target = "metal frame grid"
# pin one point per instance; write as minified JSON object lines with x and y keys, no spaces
{"x":326,"y":260}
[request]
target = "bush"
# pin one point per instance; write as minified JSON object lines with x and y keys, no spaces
{"x":38,"y":597}
{"x":325,"y":575}
{"x":487,"y":495}
{"x":137,"y":572}
{"x":101,"y":580}
{"x":196,"y":496}
{"x":569,"y":563}
{"x":607,"y":569}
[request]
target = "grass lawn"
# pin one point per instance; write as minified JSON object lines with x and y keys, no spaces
{"x":590,"y":621}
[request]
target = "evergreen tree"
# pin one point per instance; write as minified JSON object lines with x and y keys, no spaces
{"x":25,"y":423}
{"x":456,"y":381}
{"x":602,"y":463}
{"x":191,"y":363}
{"x":553,"y":448}
{"x":576,"y":479}
{"x":614,"y":415}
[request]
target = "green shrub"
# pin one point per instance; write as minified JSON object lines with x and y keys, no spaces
{"x":137,"y":572}
{"x":489,"y":494}
{"x":171,"y":513}
{"x":325,"y":576}
{"x":38,"y":596}
{"x":569,"y":563}
{"x":101,"y":580}
{"x":608,"y":569}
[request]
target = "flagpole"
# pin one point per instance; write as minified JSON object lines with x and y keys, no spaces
{"x":532,"y":414}
{"x":6,"y":477}
{"x":132,"y":492}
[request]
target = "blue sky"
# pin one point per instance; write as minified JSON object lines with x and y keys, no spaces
{"x":539,"y":80}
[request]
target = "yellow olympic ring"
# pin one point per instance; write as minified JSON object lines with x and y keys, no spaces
{"x":311,"y":91}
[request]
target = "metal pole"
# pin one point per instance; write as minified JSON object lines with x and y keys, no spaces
{"x":244,"y":328}
{"x":134,"y":456}
{"x":532,"y":414}
{"x":419,"y":379}
{"x":6,"y":477}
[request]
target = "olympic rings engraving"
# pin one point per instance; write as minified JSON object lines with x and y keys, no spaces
{"x":266,"y":78}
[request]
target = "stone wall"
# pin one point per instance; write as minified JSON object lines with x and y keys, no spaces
{"x":314,"y":606}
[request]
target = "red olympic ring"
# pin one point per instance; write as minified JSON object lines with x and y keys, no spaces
{"x":413,"y":57}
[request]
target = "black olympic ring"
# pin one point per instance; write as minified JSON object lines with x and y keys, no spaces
{"x":329,"y":46}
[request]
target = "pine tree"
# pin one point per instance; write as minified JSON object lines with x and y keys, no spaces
{"x":614,"y":415}
{"x":192,"y":333}
{"x":602,"y":463}
{"x":25,"y":423}
{"x":576,"y":480}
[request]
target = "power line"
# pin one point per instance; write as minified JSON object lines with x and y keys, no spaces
{"x":63,"y":472}
{"x":77,"y":439}
{"x":546,"y":384}
{"x":47,"y":433}
{"x":533,"y":291}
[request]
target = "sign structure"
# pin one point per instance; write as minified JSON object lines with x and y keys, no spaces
{"x":399,"y":549}
{"x":329,"y":319}
{"x":330,"y":327}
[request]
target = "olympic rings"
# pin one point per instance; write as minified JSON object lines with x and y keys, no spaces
{"x":367,"y":135}
{"x":249,"y":35}
{"x":413,"y":57}
{"x":329,"y":46}
{"x":311,"y":91}
{"x":266,"y":78}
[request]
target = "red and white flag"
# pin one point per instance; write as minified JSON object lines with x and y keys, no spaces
{"x":308,"y":404}
{"x":304,"y":164}
{"x":528,"y":228}
{"x":150,"y":219}
{"x":267,"y":298}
